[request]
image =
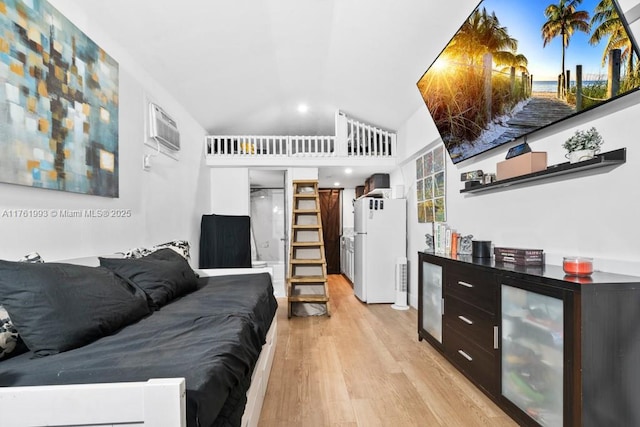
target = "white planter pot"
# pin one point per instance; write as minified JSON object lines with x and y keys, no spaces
{"x":580,"y":155}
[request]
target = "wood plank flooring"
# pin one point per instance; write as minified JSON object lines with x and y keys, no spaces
{"x":364,"y":366}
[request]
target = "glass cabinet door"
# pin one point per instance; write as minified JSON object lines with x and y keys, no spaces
{"x":431,"y":313}
{"x":532,"y":326}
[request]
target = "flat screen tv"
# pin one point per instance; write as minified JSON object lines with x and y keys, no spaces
{"x":515,"y":67}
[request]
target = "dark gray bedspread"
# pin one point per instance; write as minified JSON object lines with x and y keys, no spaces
{"x":212,"y":337}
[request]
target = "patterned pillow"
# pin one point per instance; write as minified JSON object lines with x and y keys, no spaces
{"x":180,"y":246}
{"x":32,"y":257}
{"x":8,"y":334}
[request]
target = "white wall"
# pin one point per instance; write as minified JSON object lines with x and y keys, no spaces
{"x":591,"y":213}
{"x":230,"y":189}
{"x":348,"y":194}
{"x":165,"y":202}
{"x":267,"y":224}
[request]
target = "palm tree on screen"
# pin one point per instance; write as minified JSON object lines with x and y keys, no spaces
{"x":517,"y":61}
{"x":563,"y":20}
{"x":482,"y":33}
{"x":607,"y":23}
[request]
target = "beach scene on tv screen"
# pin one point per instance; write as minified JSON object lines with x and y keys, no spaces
{"x":516,"y":66}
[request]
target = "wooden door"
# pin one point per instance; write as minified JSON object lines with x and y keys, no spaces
{"x":331,"y":212}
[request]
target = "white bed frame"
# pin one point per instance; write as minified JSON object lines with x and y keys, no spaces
{"x":155,"y":403}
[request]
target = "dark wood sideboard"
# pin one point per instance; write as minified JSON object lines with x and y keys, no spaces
{"x":549,"y":349}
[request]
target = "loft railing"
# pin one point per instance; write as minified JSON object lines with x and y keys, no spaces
{"x":272,"y":146}
{"x":364,"y":140}
{"x":352,"y":139}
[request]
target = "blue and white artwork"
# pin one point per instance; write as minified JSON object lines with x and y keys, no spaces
{"x":58,"y":103}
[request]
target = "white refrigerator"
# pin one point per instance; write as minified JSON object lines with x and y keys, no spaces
{"x":380,"y":238}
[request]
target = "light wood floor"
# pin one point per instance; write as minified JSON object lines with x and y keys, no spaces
{"x":364,"y":366}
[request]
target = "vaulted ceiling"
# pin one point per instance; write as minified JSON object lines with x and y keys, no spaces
{"x":243,"y":66}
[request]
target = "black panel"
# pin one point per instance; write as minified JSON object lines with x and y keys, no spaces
{"x":225,"y":241}
{"x":474,"y":361}
{"x":472,"y":286}
{"x":471,"y":322}
{"x":611,"y":354}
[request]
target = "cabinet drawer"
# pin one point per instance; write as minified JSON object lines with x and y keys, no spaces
{"x":471,"y":322}
{"x":476,"y":363}
{"x":472,"y":286}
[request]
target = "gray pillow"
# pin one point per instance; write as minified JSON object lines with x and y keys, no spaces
{"x":163,"y":275}
{"x":9,"y":337}
{"x":57,"y":307}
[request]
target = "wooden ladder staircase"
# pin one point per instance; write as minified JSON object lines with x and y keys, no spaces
{"x":307,"y":262}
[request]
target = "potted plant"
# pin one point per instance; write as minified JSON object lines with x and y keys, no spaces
{"x":583,"y":145}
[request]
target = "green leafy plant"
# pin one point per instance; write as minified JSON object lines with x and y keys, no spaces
{"x":584,"y":140}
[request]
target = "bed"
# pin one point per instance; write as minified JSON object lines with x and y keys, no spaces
{"x":200,"y":356}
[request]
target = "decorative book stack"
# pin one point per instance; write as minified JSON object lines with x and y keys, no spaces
{"x":519,"y":256}
{"x":446,"y":240}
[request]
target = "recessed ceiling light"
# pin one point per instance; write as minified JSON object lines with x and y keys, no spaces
{"x":303,"y":108}
{"x":348,"y":171}
{"x":336,"y":184}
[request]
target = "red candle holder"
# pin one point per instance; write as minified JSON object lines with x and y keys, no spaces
{"x":577,"y":266}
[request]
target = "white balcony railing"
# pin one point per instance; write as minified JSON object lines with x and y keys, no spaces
{"x":352,"y":139}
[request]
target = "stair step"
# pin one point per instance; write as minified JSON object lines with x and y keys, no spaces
{"x":308,"y":298}
{"x":307,"y":244}
{"x":306,"y":211}
{"x":305,"y":195}
{"x":308,"y":261}
{"x":307,"y":279}
{"x":306,"y":226}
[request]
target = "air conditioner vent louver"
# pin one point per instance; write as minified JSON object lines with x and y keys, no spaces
{"x":163,"y":128}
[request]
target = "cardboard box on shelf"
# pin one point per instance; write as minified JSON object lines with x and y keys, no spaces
{"x":521,"y":165}
{"x":379,"y":180}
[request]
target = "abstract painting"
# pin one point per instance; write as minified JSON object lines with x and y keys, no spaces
{"x":58,"y":103}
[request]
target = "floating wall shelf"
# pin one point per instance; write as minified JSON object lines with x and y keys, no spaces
{"x":610,"y":158}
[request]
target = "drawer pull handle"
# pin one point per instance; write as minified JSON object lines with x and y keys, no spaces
{"x":465,"y":284}
{"x":465,"y":320}
{"x":465,"y":355}
{"x":495,"y":338}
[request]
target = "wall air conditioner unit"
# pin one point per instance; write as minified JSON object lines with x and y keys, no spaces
{"x":401,"y":284}
{"x":163,"y":128}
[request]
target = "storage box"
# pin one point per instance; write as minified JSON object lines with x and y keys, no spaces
{"x":359,"y":191}
{"x":520,"y":252}
{"x":520,"y":260}
{"x":521,"y":165}
{"x":519,"y":256}
{"x":379,"y":180}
